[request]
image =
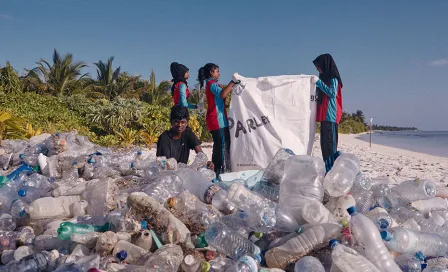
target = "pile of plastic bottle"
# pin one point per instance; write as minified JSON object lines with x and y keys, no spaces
{"x":69,"y":205}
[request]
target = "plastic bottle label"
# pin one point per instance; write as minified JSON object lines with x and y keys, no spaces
{"x":210,"y":192}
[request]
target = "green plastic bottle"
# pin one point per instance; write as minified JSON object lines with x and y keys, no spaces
{"x":66,"y":229}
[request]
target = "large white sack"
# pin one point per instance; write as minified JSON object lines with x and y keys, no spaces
{"x":269,"y":113}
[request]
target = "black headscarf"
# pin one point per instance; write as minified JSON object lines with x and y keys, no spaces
{"x":329,"y":69}
{"x":178,"y":72}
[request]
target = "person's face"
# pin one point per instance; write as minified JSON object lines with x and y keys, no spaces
{"x":215,"y":73}
{"x":179,"y":125}
{"x":187,"y":75}
{"x":318,"y":69}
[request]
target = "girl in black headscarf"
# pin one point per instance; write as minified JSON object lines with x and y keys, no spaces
{"x":329,"y":106}
{"x":179,"y":90}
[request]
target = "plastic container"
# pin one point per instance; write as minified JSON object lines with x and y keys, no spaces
{"x":409,"y":241}
{"x":49,"y":207}
{"x":309,"y":264}
{"x":227,"y":241}
{"x":366,"y":233}
{"x":244,"y":264}
{"x":273,"y":173}
{"x":410,"y":262}
{"x":311,"y":238}
{"x":315,"y":213}
{"x":349,"y":260}
{"x":302,"y":182}
{"x":67,"y":229}
{"x":340,"y":178}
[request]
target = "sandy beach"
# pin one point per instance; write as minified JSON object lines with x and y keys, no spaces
{"x":398,"y":164}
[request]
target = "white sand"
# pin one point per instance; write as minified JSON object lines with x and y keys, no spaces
{"x":398,"y":164}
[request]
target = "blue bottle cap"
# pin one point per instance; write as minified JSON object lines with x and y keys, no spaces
{"x":257,"y":257}
{"x":352,"y":210}
{"x":289,"y":151}
{"x":423,"y":266}
{"x":139,"y":152}
{"x":132,"y":165}
{"x":420,"y":256}
{"x":383,"y":223}
{"x":21,"y":156}
{"x":22,"y":192}
{"x":74,"y":163}
{"x":386,"y":236}
{"x":144,"y":224}
{"x":299,"y":229}
{"x":52,"y":179}
{"x":122,"y":255}
{"x":22,"y":213}
{"x":91,"y":160}
{"x":333,"y":243}
{"x":57,"y":134}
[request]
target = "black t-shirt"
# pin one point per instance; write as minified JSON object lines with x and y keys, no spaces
{"x":178,"y":149}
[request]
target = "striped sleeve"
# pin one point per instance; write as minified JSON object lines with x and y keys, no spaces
{"x":330,"y":91}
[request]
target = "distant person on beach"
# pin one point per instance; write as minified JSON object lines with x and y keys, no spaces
{"x":180,"y":139}
{"x":329,"y":106}
{"x":179,"y":90}
{"x":216,"y":119}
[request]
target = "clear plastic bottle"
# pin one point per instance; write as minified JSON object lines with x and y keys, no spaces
{"x":430,"y":205}
{"x":437,"y":268}
{"x":226,"y":241}
{"x":261,"y":220}
{"x":366,"y":233}
{"x":308,"y":264}
{"x":410,"y":262}
{"x":264,"y":188}
{"x":199,"y":161}
{"x":311,"y":238}
{"x":18,"y":208}
{"x":244,"y":264}
{"x":409,"y":241}
{"x":220,"y":264}
{"x":72,"y":175}
{"x":315,"y":213}
{"x":7,"y":222}
{"x":302,"y":182}
{"x":428,"y":226}
{"x":340,"y":178}
{"x":349,"y":260}
{"x":407,"y":192}
{"x":362,"y":194}
{"x":273,"y":173}
{"x":36,"y":262}
{"x":382,"y":220}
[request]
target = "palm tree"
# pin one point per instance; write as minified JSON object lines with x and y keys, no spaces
{"x":110,"y":82}
{"x":60,"y":75}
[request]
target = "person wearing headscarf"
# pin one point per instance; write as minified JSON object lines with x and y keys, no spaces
{"x":179,"y":90}
{"x":329,"y":106}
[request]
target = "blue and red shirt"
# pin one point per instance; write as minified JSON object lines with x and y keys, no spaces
{"x":181,"y":94}
{"x":331,"y":107}
{"x":216,"y":111}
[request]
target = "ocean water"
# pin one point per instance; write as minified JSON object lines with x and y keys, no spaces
{"x":429,"y":142}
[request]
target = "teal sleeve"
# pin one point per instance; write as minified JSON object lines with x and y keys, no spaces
{"x":330,"y":91}
{"x":216,"y":89}
{"x":183,"y":97}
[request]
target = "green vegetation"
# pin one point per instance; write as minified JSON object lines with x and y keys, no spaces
{"x":112,"y":109}
{"x":393,"y":128}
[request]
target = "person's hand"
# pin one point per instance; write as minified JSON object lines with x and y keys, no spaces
{"x":235,"y":79}
{"x":314,"y":79}
{"x":210,"y":165}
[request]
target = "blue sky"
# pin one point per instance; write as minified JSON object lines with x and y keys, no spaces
{"x":392,"y":55}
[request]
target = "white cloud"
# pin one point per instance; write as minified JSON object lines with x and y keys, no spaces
{"x":439,"y":62}
{"x":4,"y":16}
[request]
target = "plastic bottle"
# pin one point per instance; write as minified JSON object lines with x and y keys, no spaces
{"x":16,"y":173}
{"x":342,"y":204}
{"x":349,"y":260}
{"x":66,"y":229}
{"x":382,"y":220}
{"x":199,"y":161}
{"x":266,"y":190}
{"x":410,"y":262}
{"x":407,"y":192}
{"x":301,"y":182}
{"x":366,"y":233}
{"x":362,"y":194}
{"x":315,"y":213}
{"x":428,"y":226}
{"x":7,"y":222}
{"x":18,"y":208}
{"x":29,"y":194}
{"x":437,"y":268}
{"x":308,"y":264}
{"x":273,"y":173}
{"x":409,"y":241}
{"x":261,"y":220}
{"x":340,"y":178}
{"x":244,"y":264}
{"x":429,"y":205}
{"x":220,"y":264}
{"x":295,"y":248}
{"x":49,"y":207}
{"x":226,"y":241}
{"x":73,"y":175}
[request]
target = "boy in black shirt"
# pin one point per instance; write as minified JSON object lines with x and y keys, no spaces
{"x":177,"y":142}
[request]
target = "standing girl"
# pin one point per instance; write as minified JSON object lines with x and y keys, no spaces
{"x":179,"y":90}
{"x":216,"y":118}
{"x":329,"y":106}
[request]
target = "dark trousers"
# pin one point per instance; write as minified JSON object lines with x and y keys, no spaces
{"x":221,"y":150}
{"x":328,"y":139}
